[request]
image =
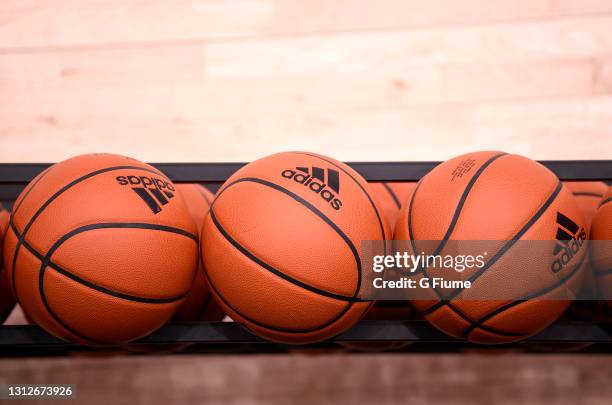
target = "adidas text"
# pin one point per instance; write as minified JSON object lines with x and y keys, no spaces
{"x":570,"y":239}
{"x":315,"y":185}
{"x":154,"y":192}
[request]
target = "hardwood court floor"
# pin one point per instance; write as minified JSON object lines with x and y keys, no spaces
{"x":323,"y":379}
{"x":214,"y":80}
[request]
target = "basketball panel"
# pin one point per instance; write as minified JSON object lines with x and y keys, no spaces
{"x":338,"y":196}
{"x":440,"y":193}
{"x":65,"y":173}
{"x":529,"y":318}
{"x":105,"y":199}
{"x":588,"y":195}
{"x":348,"y":320}
{"x":391,"y":197}
{"x":99,"y":316}
{"x":601,"y":229}
{"x":197,"y":199}
{"x":147,"y":263}
{"x":504,"y":199}
{"x":7,"y":300}
{"x":448,"y":321}
{"x":200,"y":305}
{"x":288,"y":236}
{"x":259,"y":295}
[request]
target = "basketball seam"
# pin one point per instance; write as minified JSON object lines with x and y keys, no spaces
{"x":409,"y":226}
{"x":21,"y":237}
{"x":604,"y":202}
{"x":57,"y":318}
{"x":277,"y":272}
{"x":77,"y":181}
{"x":470,"y":320}
{"x":27,"y":192}
{"x":270,"y":268}
{"x":458,"y":209}
{"x":14,"y":211}
{"x":409,"y":221}
{"x":392,"y":194}
{"x":43,"y":259}
{"x":454,"y":219}
{"x":478,"y":323}
{"x":506,"y":247}
{"x":274,"y":328}
{"x":484,"y":327}
{"x":259,"y":324}
{"x":2,"y":238}
{"x":599,"y":273}
{"x":587,"y":194}
{"x":46,"y":262}
{"x":378,"y":216}
{"x":522,"y":231}
{"x":463,"y":199}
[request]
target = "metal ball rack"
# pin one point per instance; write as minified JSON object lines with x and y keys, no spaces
{"x":228,"y":337}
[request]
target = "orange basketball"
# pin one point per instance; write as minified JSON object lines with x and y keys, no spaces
{"x":199,"y":304}
{"x":495,"y":196}
{"x":100,"y":250}
{"x":281,"y":246}
{"x":391,"y":197}
{"x":4,"y":219}
{"x":7,"y":301}
{"x":600,"y":252}
{"x":588,"y":195}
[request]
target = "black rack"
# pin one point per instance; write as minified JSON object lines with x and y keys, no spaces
{"x":215,"y":337}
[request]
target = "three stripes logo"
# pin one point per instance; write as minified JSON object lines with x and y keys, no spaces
{"x":324,"y":182}
{"x":153,"y":191}
{"x":570,"y":238}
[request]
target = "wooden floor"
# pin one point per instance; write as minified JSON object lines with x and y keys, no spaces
{"x":220,"y":80}
{"x":215,"y":80}
{"x":326,"y":379}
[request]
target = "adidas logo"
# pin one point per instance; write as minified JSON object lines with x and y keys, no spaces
{"x":315,"y":181}
{"x":570,"y":238}
{"x":153,"y":191}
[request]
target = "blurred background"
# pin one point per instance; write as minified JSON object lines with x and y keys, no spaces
{"x":223,"y":80}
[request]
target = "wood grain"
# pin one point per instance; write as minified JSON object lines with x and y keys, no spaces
{"x":325,"y":379}
{"x":532,"y":87}
{"x":566,"y":128}
{"x":28,"y":24}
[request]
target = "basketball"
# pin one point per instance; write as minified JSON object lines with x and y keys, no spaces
{"x":90,"y":245}
{"x":494,"y":196}
{"x":7,"y":301}
{"x":588,"y":195}
{"x":4,"y":219}
{"x":601,"y":259}
{"x":199,"y":304}
{"x":391,"y":197}
{"x":281,"y":246}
